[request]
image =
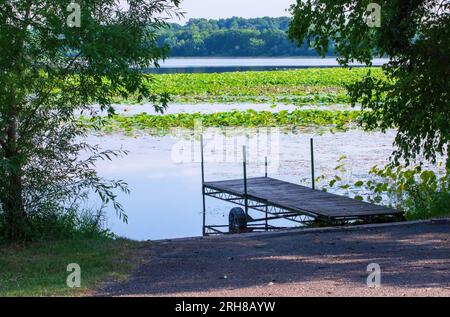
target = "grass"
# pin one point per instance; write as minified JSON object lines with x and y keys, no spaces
{"x":314,"y":85}
{"x":39,"y":269}
{"x":249,"y":118}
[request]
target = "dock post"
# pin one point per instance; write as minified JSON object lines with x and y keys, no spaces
{"x":203,"y":186}
{"x":265,"y":165}
{"x":266,"y":221}
{"x":267,"y":216}
{"x":312,"y":165}
{"x":245,"y":179}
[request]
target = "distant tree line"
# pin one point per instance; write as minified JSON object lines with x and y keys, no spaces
{"x":232,"y":37}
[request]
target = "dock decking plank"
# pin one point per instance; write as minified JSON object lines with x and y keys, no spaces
{"x":300,"y":198}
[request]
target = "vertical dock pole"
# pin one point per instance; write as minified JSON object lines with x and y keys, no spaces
{"x":203,"y":186}
{"x":266,"y":221}
{"x":265,"y":166}
{"x":245,"y":179}
{"x":312,"y":165}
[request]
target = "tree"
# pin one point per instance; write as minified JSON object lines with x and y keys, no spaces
{"x":231,"y":37}
{"x":415,"y":95}
{"x":56,"y":59}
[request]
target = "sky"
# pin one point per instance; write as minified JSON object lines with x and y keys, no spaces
{"x":215,"y":9}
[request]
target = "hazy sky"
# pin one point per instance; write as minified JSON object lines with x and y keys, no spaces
{"x":214,"y":9}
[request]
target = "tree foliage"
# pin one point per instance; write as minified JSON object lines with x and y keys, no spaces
{"x":420,"y":193}
{"x":49,"y":73}
{"x":415,"y":34}
{"x":232,"y":37}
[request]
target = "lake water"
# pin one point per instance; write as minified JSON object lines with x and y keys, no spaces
{"x":165,"y":178}
{"x":218,"y":107}
{"x":164,"y":174}
{"x":217,"y":65}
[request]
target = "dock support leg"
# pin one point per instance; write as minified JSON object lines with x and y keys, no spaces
{"x":265,"y":166}
{"x":203,"y":187}
{"x":312,"y":165}
{"x":267,"y":214}
{"x":245,"y":179}
{"x":267,"y":219}
{"x":204,"y":212}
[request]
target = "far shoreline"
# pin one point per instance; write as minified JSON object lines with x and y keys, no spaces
{"x":232,"y":64}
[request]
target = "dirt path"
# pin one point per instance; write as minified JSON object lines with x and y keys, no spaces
{"x":414,"y":261}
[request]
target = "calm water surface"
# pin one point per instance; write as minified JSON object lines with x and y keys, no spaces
{"x":207,"y":108}
{"x":164,"y":172}
{"x":165,"y":199}
{"x":214,"y":65}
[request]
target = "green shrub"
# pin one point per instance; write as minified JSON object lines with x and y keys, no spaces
{"x":421,"y":194}
{"x":56,"y":224}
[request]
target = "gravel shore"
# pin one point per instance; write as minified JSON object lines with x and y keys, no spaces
{"x":414,"y":260}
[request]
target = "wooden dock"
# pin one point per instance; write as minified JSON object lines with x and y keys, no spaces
{"x":299,"y":199}
{"x":278,"y":199}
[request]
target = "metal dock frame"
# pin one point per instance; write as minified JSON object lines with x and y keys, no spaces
{"x":271,"y":211}
{"x":299,"y":204}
